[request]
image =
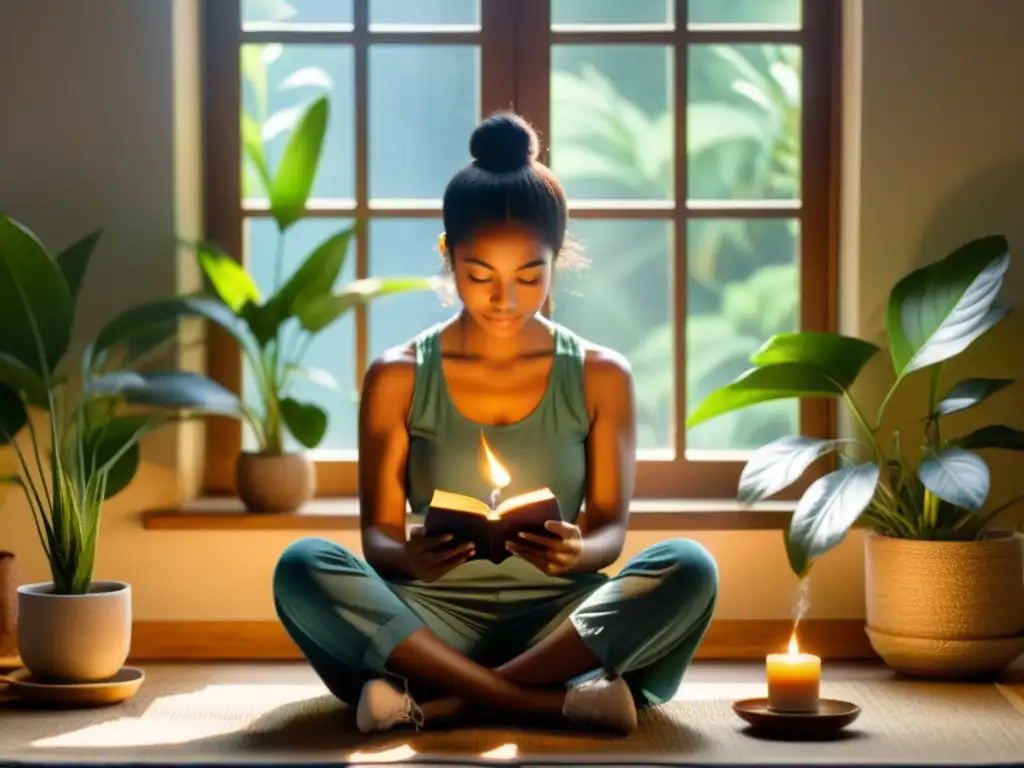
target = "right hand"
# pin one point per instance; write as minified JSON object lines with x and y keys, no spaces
{"x":431,"y":557}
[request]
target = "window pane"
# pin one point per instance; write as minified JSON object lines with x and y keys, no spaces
{"x":623,"y":300}
{"x":278,"y":84}
{"x":744,"y":12}
{"x":743,"y":122}
{"x":743,"y":288}
{"x":611,"y":121}
{"x":297,"y":11}
{"x":424,"y":104}
{"x":333,"y":350}
{"x":433,"y":12}
{"x":404,"y":247}
{"x":611,"y":12}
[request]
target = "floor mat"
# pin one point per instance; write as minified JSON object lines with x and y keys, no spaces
{"x":280,"y":714}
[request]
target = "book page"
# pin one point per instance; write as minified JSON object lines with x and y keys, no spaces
{"x":525,"y":499}
{"x":458,"y":503}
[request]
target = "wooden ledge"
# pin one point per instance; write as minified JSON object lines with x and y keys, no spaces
{"x":342,"y":514}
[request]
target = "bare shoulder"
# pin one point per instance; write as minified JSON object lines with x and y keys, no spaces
{"x":608,"y":376}
{"x":606,"y":366}
{"x":390,"y":377}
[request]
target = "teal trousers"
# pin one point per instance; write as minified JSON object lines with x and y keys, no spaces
{"x":643,"y":624}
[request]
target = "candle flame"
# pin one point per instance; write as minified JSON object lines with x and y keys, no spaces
{"x":496,"y":473}
{"x":794,"y":648}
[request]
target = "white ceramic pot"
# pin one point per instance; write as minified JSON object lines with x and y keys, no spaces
{"x":74,"y":638}
{"x":275,"y":483}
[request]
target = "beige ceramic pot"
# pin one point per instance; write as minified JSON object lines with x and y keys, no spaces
{"x":280,"y":483}
{"x":945,"y":609}
{"x":74,"y":638}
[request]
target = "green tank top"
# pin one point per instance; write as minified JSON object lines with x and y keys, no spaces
{"x":545,"y":449}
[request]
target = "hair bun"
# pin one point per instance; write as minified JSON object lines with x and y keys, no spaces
{"x":504,"y":142}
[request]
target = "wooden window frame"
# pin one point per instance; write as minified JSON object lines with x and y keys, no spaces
{"x":515,"y":74}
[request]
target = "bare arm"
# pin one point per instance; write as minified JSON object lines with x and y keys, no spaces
{"x":383,"y":451}
{"x":611,"y":459}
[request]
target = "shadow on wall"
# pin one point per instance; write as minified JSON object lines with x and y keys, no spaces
{"x":989,"y":203}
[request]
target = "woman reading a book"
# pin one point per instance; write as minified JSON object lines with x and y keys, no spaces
{"x":422,"y":629}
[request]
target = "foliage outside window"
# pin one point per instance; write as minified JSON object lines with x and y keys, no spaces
{"x":714,"y":244}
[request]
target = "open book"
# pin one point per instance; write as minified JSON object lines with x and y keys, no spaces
{"x":469,"y":519}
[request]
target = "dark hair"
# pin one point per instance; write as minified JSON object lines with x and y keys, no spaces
{"x":505,"y":184}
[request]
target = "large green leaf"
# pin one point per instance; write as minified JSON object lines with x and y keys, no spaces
{"x":318,"y":273}
{"x":317,"y":312}
{"x":252,"y":142}
{"x":74,"y":262}
{"x":127,"y":326}
{"x":759,"y":385}
{"x":13,"y":416}
{"x":315,"y":277}
{"x":170,"y":389}
{"x":119,"y":435}
{"x":993,"y":436}
{"x":228,"y":278}
{"x":23,"y":380}
{"x":778,"y":465}
{"x":293,"y":180}
{"x":968,"y":393}
{"x":935,"y":312}
{"x":957,"y":476}
{"x":841,"y":357}
{"x":826,"y":513}
{"x":36,"y":308}
{"x":305,"y":421}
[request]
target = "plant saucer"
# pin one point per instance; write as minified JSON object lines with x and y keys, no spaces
{"x":100,"y":693}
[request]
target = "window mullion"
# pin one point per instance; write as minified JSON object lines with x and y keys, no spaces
{"x":680,"y":59}
{"x":533,"y":68}
{"x":497,"y":55}
{"x":361,"y":19}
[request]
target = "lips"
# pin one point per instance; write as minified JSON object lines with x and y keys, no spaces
{"x":502,"y":322}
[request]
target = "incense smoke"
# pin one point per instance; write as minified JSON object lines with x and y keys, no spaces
{"x":803,"y":601}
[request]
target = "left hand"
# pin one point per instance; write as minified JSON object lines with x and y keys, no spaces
{"x":552,"y":555}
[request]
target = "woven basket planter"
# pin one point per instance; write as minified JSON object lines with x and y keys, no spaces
{"x":946,"y":609}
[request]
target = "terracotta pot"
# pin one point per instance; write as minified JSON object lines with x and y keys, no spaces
{"x":275,"y":483}
{"x":74,"y":638}
{"x":8,"y":607}
{"x":945,"y":608}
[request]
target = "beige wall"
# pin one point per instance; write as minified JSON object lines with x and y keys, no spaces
{"x":103,"y":134}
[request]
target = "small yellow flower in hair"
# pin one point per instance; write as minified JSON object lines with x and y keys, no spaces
{"x":442,"y":243}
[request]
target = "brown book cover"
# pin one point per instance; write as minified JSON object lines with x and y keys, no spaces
{"x":469,"y":519}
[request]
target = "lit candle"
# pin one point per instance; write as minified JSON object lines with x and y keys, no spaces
{"x":794,"y":680}
{"x":496,"y":473}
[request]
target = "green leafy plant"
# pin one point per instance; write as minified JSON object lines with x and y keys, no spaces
{"x":934,"y":314}
{"x":275,"y":332}
{"x":97,"y":406}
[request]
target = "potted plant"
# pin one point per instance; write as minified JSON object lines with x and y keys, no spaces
{"x":74,"y":424}
{"x":275,"y":332}
{"x":944,"y":589}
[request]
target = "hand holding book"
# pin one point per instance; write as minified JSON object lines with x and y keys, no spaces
{"x":431,"y":557}
{"x":553,"y":555}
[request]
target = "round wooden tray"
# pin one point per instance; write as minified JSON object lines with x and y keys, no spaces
{"x":114,"y":690}
{"x":827,"y":722}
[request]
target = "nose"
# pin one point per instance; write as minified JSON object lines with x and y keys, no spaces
{"x":503,"y":298}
